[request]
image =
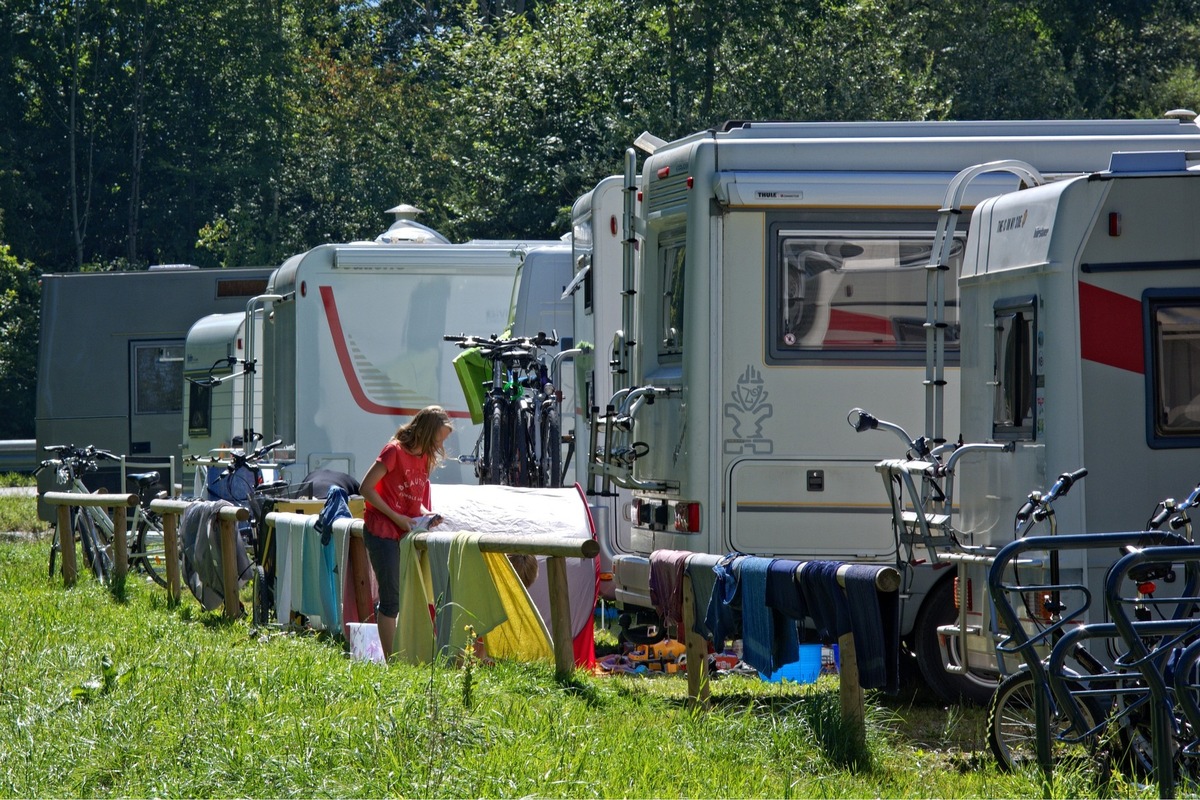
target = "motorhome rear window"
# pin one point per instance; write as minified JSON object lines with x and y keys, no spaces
{"x":1174,"y":379}
{"x":157,"y":377}
{"x":1014,"y":406}
{"x":854,"y":295}
{"x":673,"y":264}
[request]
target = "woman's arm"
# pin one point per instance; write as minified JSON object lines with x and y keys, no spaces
{"x":371,"y":495}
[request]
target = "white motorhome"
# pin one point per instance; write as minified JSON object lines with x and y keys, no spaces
{"x":598,"y":225}
{"x":1083,"y":353}
{"x":350,"y":341}
{"x":780,"y":283}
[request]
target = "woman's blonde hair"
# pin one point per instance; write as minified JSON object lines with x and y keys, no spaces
{"x":419,"y":435}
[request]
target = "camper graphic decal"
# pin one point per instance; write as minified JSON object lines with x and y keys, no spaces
{"x":357,"y":370}
{"x":747,"y":412}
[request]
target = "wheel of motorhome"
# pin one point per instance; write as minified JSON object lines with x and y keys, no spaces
{"x":934,"y":651}
{"x":1012,"y":726}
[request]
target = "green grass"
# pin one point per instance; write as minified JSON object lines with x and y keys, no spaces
{"x":106,"y":697}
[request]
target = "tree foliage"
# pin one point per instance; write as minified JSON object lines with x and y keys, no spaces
{"x":225,"y":133}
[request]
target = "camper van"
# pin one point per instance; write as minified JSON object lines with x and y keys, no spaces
{"x":598,"y":255}
{"x":1083,"y":353}
{"x":350,"y":342}
{"x":781,"y":282}
{"x":124,"y":333}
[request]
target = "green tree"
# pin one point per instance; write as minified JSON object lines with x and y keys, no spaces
{"x":19,"y":297}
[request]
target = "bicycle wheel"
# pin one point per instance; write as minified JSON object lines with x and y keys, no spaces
{"x":54,"y":548}
{"x":494,"y":447}
{"x":523,"y":459}
{"x":551,"y":467}
{"x":1012,"y":726}
{"x":150,"y":550}
{"x":96,"y":555}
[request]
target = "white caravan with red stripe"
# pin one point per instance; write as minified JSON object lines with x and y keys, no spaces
{"x":1084,"y":353}
{"x":352,"y":345}
{"x":780,"y":282}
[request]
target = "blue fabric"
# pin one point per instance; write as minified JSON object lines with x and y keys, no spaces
{"x":768,"y":638}
{"x":875,"y":620}
{"x":825,"y":599}
{"x":782,"y":593}
{"x":722,"y":617}
{"x":337,"y":506}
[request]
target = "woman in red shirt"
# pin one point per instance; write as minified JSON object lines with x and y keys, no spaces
{"x":396,"y":490}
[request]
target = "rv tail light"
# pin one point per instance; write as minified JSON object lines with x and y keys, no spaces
{"x":639,"y":195}
{"x":1114,"y":223}
{"x":687,"y":517}
{"x":689,"y":181}
{"x":664,"y":172}
{"x":612,"y":224}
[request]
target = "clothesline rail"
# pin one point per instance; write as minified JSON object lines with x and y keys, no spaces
{"x":115,"y":505}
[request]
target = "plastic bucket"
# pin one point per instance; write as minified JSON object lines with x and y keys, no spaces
{"x":806,"y":670}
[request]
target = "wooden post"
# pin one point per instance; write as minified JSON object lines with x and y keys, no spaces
{"x":66,"y":544}
{"x":560,"y":616}
{"x":120,"y":521}
{"x":697,"y":647}
{"x":171,"y":545}
{"x":360,"y":565}
{"x":233,"y":605}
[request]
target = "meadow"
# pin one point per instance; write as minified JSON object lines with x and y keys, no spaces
{"x":105,"y":694}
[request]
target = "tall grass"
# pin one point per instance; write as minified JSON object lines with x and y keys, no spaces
{"x":108,"y":697}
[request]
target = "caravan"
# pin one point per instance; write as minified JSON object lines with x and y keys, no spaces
{"x":781,"y":282}
{"x":1083,"y":354}
{"x":347,"y":344}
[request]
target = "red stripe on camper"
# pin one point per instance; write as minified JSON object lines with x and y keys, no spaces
{"x":1110,"y":329}
{"x":347,"y":365}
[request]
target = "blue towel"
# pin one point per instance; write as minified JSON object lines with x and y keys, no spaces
{"x":721,"y":617}
{"x":875,"y":620}
{"x":768,"y":637}
{"x":825,"y":599}
{"x":782,"y":594}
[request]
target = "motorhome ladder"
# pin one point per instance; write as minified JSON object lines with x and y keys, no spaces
{"x":935,"y":285}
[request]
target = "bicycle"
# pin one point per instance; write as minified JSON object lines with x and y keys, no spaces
{"x":521,"y":441}
{"x":1088,"y":701}
{"x":94,"y":528}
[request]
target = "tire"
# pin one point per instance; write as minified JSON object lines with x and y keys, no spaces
{"x":54,"y":548}
{"x":151,"y":550}
{"x":552,"y":448}
{"x":95,"y":554}
{"x":264,"y":596}
{"x":1012,"y":726}
{"x":494,"y":446}
{"x":939,"y":610}
{"x":523,"y":459}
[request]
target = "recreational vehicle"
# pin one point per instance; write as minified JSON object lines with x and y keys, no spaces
{"x":350,"y":341}
{"x":598,"y":255}
{"x":1085,"y":301}
{"x":110,"y":357}
{"x":781,"y":282}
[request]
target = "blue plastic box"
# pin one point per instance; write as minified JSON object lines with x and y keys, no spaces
{"x":806,"y":670}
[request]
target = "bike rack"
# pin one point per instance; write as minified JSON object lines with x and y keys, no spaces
{"x":1065,"y":630}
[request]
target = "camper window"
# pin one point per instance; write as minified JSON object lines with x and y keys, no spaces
{"x":1013,"y":408}
{"x":1175,"y":328}
{"x":853,"y":295}
{"x":672,"y":257}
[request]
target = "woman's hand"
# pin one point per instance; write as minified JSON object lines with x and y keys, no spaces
{"x":405,"y":524}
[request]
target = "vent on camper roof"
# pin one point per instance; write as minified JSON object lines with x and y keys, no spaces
{"x":406,"y":230}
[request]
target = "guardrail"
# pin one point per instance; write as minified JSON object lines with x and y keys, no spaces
{"x":18,"y":455}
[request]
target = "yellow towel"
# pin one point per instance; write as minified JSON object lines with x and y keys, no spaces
{"x":523,"y":636}
{"x":414,"y":641}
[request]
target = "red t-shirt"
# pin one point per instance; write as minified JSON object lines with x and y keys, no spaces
{"x":405,"y":488}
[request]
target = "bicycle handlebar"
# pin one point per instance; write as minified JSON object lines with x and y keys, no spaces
{"x":496,"y":344}
{"x":1038,"y":505}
